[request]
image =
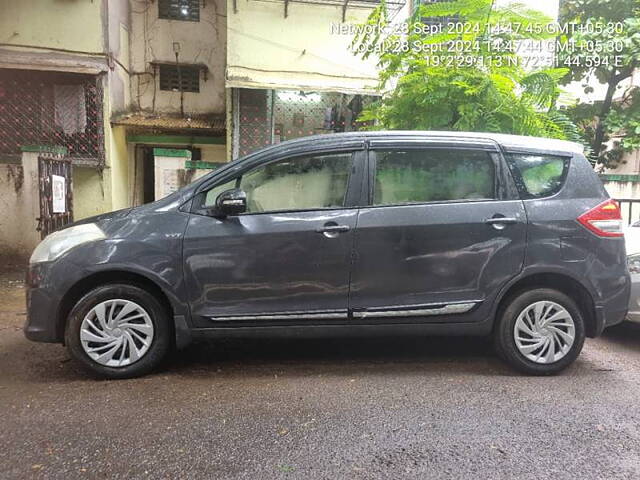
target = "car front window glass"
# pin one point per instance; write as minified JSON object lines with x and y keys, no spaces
{"x":300,"y":183}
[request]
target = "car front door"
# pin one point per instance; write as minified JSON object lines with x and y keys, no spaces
{"x":287,"y":258}
{"x":443,"y":232}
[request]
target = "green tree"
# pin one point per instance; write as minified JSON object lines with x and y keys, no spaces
{"x":608,"y":55}
{"x":467,"y":76}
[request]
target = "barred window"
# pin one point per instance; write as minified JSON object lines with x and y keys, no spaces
{"x":188,"y":10}
{"x":437,"y":22}
{"x":188,"y":76}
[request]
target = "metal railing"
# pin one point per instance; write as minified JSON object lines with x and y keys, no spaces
{"x":629,"y":213}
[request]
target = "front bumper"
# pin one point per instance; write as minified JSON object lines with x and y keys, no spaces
{"x":42,"y":309}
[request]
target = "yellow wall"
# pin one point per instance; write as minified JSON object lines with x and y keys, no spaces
{"x":119,"y":169}
{"x":94,"y":192}
{"x":70,"y":25}
{"x":89,"y":195}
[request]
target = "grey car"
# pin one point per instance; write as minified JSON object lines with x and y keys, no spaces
{"x":404,"y":233}
{"x":632,"y":239}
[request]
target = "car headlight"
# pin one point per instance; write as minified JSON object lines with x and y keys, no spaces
{"x":633,"y":262}
{"x":62,"y":241}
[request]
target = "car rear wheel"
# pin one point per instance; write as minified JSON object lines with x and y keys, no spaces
{"x":540,"y":331}
{"x":118,"y":331}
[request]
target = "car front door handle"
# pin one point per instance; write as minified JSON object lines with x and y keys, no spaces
{"x":332,"y":230}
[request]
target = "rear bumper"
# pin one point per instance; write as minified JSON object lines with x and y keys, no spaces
{"x":614,"y":310}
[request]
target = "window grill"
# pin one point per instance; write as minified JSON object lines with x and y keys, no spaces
{"x":188,"y":10}
{"x":265,"y":117}
{"x":438,"y":22}
{"x":188,"y":76}
{"x":52,"y":109}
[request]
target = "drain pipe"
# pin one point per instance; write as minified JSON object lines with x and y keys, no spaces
{"x":176,"y":50}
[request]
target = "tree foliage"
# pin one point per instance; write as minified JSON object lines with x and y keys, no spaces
{"x":468,"y":77}
{"x":610,"y":125}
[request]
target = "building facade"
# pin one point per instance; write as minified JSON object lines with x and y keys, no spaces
{"x":177,"y":90}
{"x":291,"y":71}
{"x":61,"y":76}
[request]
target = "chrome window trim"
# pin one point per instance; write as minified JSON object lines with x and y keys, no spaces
{"x":417,"y":311}
{"x":339,"y":315}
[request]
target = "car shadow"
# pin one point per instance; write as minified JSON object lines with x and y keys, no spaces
{"x":232,"y":358}
{"x":343,"y":356}
{"x":625,"y":335}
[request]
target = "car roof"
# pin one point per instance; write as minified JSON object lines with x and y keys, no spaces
{"x":512,"y":143}
{"x":506,"y":141}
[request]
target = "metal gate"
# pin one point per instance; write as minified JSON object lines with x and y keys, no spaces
{"x":56,"y":193}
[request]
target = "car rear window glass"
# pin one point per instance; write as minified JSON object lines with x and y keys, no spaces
{"x":432,"y":175}
{"x":536,"y":175}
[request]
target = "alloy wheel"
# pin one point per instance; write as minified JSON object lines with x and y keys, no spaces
{"x":116,"y":333}
{"x":544,"y":332}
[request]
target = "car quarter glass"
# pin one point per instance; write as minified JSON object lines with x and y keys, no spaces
{"x":538,"y":175}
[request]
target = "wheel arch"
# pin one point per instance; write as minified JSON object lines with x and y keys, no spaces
{"x":96,"y":279}
{"x":558,"y":281}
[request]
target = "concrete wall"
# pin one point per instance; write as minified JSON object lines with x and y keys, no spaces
{"x":622,"y":189}
{"x":630,"y":165}
{"x":265,"y":49}
{"x":13,"y":200}
{"x":204,"y":42}
{"x":117,"y":44}
{"x":19,"y":206}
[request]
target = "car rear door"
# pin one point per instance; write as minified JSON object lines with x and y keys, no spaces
{"x":443,"y":232}
{"x":287,"y":259}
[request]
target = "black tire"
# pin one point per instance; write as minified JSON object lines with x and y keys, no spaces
{"x":160,"y":343}
{"x":504,"y":337}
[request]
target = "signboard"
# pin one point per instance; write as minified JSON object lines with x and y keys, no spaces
{"x":59,"y":193}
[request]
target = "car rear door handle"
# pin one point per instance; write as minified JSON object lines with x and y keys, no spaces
{"x":500,"y":222}
{"x":331,"y":229}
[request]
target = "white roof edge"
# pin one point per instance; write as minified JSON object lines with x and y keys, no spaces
{"x":506,"y":140}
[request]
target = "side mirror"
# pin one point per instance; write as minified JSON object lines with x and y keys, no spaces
{"x":231,"y":202}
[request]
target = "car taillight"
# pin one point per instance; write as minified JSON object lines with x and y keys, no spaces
{"x":605,"y":220}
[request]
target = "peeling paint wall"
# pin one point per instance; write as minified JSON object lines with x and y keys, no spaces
{"x":18,"y":207}
{"x":203,"y":42}
{"x":301,"y":51}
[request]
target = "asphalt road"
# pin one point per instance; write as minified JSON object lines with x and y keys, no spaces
{"x":359,"y":408}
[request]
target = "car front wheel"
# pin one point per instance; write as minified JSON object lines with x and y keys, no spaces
{"x":540,"y":331}
{"x":118,"y":331}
